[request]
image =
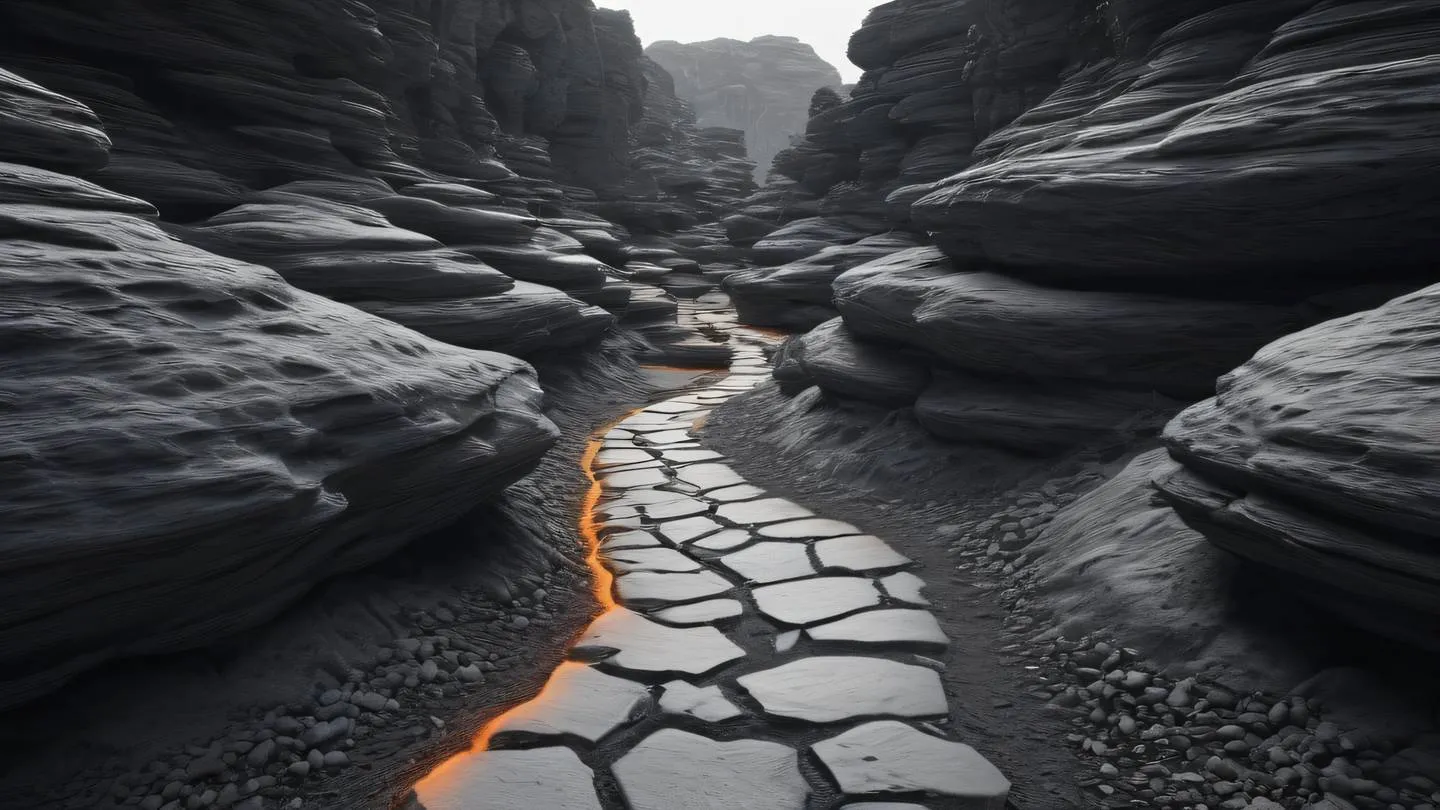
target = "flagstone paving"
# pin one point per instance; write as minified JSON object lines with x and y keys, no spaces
{"x":758,"y":656}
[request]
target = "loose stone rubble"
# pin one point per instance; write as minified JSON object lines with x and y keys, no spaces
{"x":1170,"y":740}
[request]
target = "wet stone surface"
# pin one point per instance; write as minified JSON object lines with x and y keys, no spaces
{"x":746,"y":630}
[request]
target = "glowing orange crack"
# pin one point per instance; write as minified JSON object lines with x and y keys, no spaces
{"x":603,"y":582}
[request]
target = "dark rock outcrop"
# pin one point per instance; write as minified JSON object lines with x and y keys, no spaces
{"x":830,"y":357}
{"x":1124,"y":201}
{"x":529,"y":109}
{"x":194,"y":437}
{"x":1317,"y":459}
{"x":189,"y":443}
{"x":798,"y":295}
{"x":762,"y":87}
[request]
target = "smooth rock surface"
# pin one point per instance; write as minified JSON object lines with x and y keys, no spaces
{"x":698,"y":613}
{"x":676,"y":770}
{"x":648,"y":590}
{"x":891,"y":757}
{"x":770,"y":562}
{"x":809,"y":601}
{"x":858,"y":554}
{"x":645,"y":647}
{"x":539,"y":777}
{"x":832,"y":688}
{"x":900,"y":627}
{"x":580,"y":702}
{"x":703,"y":703}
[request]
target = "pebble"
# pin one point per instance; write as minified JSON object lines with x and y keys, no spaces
{"x":369,"y":701}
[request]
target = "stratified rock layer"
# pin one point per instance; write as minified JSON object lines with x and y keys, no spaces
{"x":1318,"y":458}
{"x":194,"y":442}
{"x":190,"y":443}
{"x":497,"y":129}
{"x":1124,"y":203}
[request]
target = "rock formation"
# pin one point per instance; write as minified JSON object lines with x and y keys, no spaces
{"x":190,"y":442}
{"x":1124,"y":202}
{"x":203,"y":415}
{"x":1316,"y":460}
{"x":705,"y":171}
{"x":1060,"y":223}
{"x":762,"y":87}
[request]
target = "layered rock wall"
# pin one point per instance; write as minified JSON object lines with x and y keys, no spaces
{"x":189,"y":442}
{"x":1316,"y":460}
{"x":1124,"y":203}
{"x":1115,"y":206}
{"x":253,"y":254}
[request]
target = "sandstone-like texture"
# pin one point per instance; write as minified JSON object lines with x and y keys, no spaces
{"x":1124,"y":201}
{"x":1317,"y":459}
{"x":762,"y":87}
{"x":190,"y":443}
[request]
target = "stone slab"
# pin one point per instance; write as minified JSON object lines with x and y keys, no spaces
{"x":835,"y":688}
{"x":578,"y":701}
{"x":891,"y":757}
{"x":676,"y":770}
{"x":633,"y":643}
{"x":811,"y":601}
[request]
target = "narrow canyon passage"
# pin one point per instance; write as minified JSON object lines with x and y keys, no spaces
{"x":749,"y":651}
{"x":531,"y":404}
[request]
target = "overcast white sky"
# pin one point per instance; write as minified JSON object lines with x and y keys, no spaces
{"x":825,"y":24}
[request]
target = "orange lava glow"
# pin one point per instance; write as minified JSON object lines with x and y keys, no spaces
{"x":603,"y":582}
{"x":438,"y":781}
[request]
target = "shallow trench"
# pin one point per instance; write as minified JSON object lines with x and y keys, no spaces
{"x":749,"y":653}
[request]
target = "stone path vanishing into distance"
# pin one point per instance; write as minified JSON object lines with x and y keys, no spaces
{"x":751,"y":654}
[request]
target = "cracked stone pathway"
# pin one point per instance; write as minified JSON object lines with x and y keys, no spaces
{"x":753,"y":654}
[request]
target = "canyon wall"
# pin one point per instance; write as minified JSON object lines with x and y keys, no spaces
{"x":261,"y":261}
{"x":1124,"y":204}
{"x":1065,"y":217}
{"x":762,"y":87}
